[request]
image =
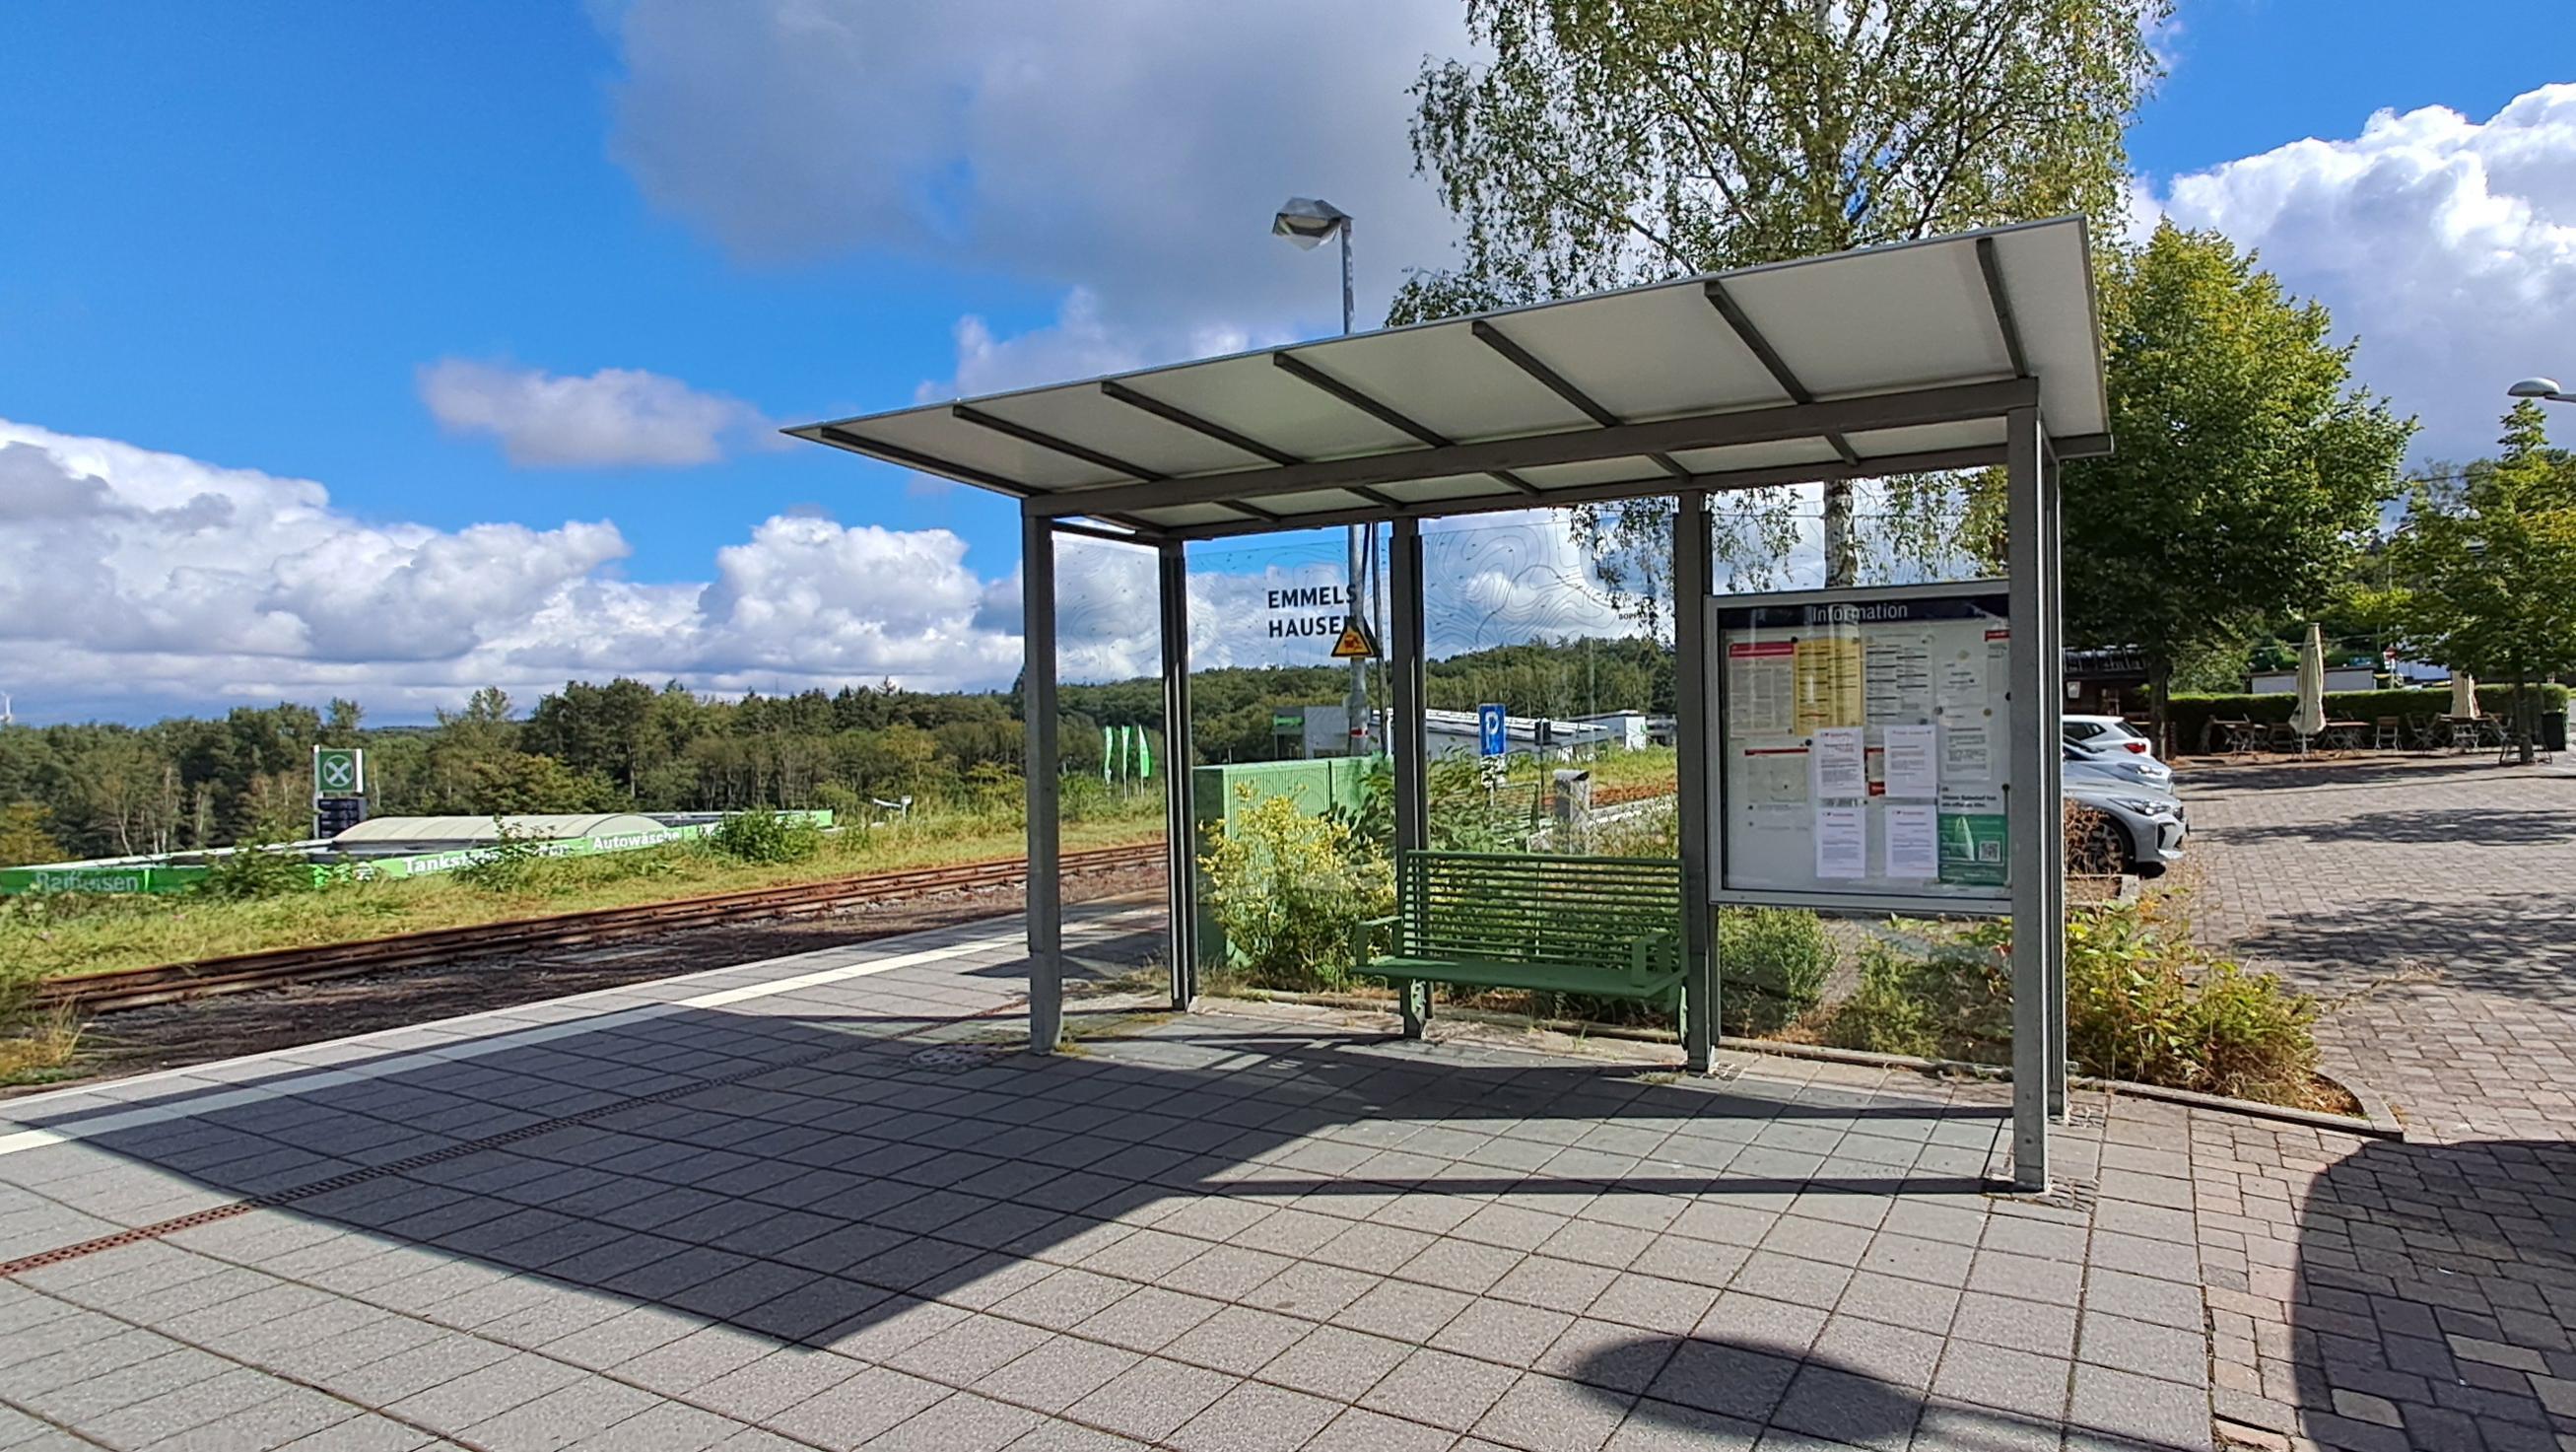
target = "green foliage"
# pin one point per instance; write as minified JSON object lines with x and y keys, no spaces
{"x":257,"y":870}
{"x":1772,"y":965}
{"x":24,"y":837}
{"x":1288,"y":889}
{"x":2144,"y":1004}
{"x":2483,"y":566}
{"x":766,"y":837}
{"x":1952,"y":999}
{"x":2190,"y":715}
{"x":507,"y":862}
{"x":1596,"y":146}
{"x":2249,"y":464}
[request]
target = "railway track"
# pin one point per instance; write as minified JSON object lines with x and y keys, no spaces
{"x":278,"y":967}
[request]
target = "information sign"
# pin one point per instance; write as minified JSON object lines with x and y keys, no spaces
{"x":1490,"y":739}
{"x":1861,"y":738}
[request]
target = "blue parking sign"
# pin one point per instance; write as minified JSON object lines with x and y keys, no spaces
{"x":1489,"y":730}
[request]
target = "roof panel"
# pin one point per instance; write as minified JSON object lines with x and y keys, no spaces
{"x":2051,"y":291}
{"x":1445,"y":380}
{"x":1758,"y":456}
{"x":1896,"y":318}
{"x":1081,"y":415}
{"x":938,"y":434}
{"x":1597,"y":471}
{"x":1647,"y":354}
{"x":1927,"y":438}
{"x":1260,"y":400}
{"x":1449,"y":486}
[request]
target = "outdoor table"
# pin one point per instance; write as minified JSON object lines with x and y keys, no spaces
{"x":2242,"y":736}
{"x":2344,"y":735}
{"x":2466,"y":732}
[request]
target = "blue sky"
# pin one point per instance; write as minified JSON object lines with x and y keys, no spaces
{"x":240,"y":236}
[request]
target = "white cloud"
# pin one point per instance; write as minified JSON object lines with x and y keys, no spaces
{"x":134,"y":582}
{"x":614,"y":417}
{"x":1134,"y":151}
{"x":2448,"y":245}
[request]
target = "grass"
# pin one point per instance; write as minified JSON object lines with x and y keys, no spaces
{"x":61,"y":936}
{"x":40,"y":1051}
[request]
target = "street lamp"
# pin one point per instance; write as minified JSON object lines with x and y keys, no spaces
{"x":2546,"y":388}
{"x":1309,"y":222}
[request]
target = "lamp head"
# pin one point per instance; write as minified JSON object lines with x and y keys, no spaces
{"x":1308,"y":221}
{"x":2534,"y":388}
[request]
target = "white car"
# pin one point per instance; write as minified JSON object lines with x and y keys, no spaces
{"x":2106,"y":736}
{"x":2141,"y":829}
{"x":2119,"y":768}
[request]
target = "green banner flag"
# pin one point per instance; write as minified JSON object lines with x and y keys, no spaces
{"x":1108,"y":735}
{"x":1144,"y":756}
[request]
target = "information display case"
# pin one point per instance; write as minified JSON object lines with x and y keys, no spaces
{"x":1862,"y":737}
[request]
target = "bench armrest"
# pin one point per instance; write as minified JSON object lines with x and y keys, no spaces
{"x":1360,"y":938}
{"x":1638,"y":950}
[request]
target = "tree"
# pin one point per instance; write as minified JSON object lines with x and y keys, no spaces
{"x":23,"y":835}
{"x":2248,"y":467}
{"x":1614,"y":142}
{"x":2486,"y":563}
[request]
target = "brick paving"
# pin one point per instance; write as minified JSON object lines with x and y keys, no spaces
{"x":2442,"y":888}
{"x":818,"y":1203}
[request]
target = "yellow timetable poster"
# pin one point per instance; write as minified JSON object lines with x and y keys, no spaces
{"x":1829,"y":681}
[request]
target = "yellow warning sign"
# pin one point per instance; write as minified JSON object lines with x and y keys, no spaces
{"x":1355,"y":643}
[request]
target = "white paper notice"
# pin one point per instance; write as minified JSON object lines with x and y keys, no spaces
{"x":1967,"y":753}
{"x":1913,"y":843}
{"x":1841,"y":768}
{"x":1842,"y":843}
{"x":1913,"y":767}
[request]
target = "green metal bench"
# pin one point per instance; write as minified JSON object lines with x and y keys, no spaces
{"x":1608,"y":927}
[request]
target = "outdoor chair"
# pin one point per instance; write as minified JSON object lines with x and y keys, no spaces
{"x":2385,"y":733}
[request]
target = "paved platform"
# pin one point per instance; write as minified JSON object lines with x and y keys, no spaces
{"x":820,"y":1203}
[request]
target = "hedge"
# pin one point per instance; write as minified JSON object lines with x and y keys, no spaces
{"x":2189,"y":715}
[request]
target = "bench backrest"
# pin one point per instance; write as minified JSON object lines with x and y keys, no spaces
{"x":1538,"y":908}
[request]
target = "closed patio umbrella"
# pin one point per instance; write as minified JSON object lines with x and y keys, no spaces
{"x":2309,"y":720}
{"x":2464,"y":694}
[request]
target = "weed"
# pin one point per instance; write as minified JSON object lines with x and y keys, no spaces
{"x":766,"y":837}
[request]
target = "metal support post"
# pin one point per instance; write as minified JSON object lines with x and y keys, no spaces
{"x":1037,"y":703}
{"x":1172,"y":582}
{"x":2054,"y":662}
{"x":2031,"y":804}
{"x":1695,"y":807}
{"x":1407,"y":742}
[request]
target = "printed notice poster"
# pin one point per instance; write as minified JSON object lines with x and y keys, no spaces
{"x":1962,"y":687}
{"x":1842,"y":843}
{"x":1896,"y":673}
{"x":1968,"y":752}
{"x":1761,"y":688}
{"x":1912,"y":769}
{"x":1840,"y":767}
{"x":1973,"y":839}
{"x":1829,"y":681}
{"x":1913,"y":842}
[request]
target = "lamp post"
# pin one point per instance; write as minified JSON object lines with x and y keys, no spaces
{"x":1308,"y":222}
{"x":2541,"y":388}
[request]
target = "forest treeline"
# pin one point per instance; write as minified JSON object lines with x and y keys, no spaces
{"x":98,"y":790}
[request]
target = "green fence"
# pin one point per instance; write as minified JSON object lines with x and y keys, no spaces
{"x":166,"y":878}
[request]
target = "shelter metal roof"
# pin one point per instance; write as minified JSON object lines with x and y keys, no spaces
{"x":1883,"y":361}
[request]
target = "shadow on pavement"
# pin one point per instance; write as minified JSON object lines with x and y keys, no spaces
{"x":2435,"y":1298}
{"x":610,"y":1191}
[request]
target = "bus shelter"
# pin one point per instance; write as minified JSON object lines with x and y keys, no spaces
{"x":1958,"y":352}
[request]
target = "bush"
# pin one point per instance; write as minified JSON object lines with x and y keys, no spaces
{"x":766,"y":837}
{"x":1288,"y":890}
{"x":1772,"y":964}
{"x":256,"y":870}
{"x":2145,"y":1004}
{"x":1951,"y":1001}
{"x":2142,"y":1004}
{"x":503,"y":866}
